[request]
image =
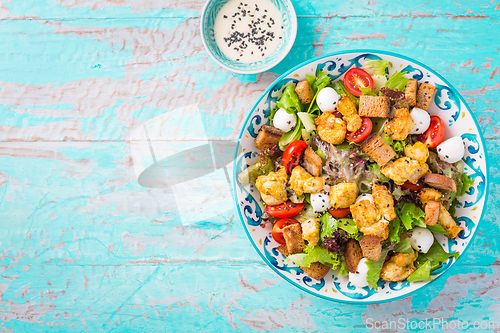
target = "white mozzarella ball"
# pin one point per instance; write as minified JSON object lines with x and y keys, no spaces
{"x":283,"y":120}
{"x":365,"y":196}
{"x":422,"y":120}
{"x":320,"y":201}
{"x":327,"y":99}
{"x":421,"y":239}
{"x":451,"y":150}
{"x":359,"y":278}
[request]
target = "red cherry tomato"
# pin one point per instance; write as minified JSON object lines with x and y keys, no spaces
{"x":293,"y":154}
{"x":278,"y":229}
{"x":412,"y":187}
{"x":355,"y":78}
{"x":362,"y":133}
{"x":339,"y":212}
{"x":287,"y":209}
{"x":434,"y":134}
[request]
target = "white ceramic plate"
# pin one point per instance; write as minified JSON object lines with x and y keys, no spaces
{"x":454,"y":112}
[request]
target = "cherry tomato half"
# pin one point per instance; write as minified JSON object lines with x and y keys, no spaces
{"x":339,"y":212}
{"x":287,"y":209}
{"x":412,"y":187}
{"x":362,"y":133}
{"x":278,"y":229}
{"x":434,"y":134}
{"x":355,"y":78}
{"x":293,"y":154}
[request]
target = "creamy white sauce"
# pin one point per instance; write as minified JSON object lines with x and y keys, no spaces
{"x":248,"y":31}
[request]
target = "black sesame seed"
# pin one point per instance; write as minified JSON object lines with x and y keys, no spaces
{"x":225,"y":16}
{"x":446,"y":156}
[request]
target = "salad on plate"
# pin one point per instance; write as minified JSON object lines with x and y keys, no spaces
{"x":355,"y":176}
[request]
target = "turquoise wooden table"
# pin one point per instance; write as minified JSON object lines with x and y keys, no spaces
{"x":96,"y":93}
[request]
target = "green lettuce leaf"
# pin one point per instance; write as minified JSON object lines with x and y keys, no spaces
{"x":250,"y":174}
{"x":437,"y":229}
{"x":410,"y":215}
{"x":403,"y":246}
{"x":467,"y":183}
{"x":436,"y":255}
{"x":289,"y":100}
{"x":395,"y":231}
{"x":314,"y":254}
{"x":348,"y":226}
{"x":343,"y":267}
{"x":423,"y":273}
{"x":376,"y":66}
{"x":290,"y":136}
{"x":328,"y":225}
{"x":367,"y":91}
{"x":306,"y":213}
{"x":340,"y":88}
{"x":396,"y":145}
{"x":374,"y":269}
{"x":397,"y":81}
{"x":375,"y":168}
{"x":321,"y":81}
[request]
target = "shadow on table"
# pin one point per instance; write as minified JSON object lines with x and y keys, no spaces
{"x":195,"y":173}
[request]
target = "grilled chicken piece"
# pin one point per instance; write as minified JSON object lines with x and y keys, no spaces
{"x":343,"y":195}
{"x":404,"y":169}
{"x":330,"y":128}
{"x":384,"y":201}
{"x":399,"y":266}
{"x":347,"y":107}
{"x":272,"y":187}
{"x":369,"y":219}
{"x":400,"y":126}
{"x":302,"y":182}
{"x":418,"y":152}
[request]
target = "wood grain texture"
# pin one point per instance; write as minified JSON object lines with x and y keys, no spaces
{"x":87,"y":85}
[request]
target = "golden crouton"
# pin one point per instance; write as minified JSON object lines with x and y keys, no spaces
{"x":312,"y":162}
{"x":316,"y":270}
{"x":302,"y":182}
{"x":268,"y":137}
{"x":425,"y":95}
{"x":399,"y":266}
{"x":283,"y":250}
{"x":377,"y":149}
{"x":374,"y":106}
{"x":272,"y":187}
{"x":353,"y":255}
{"x":400,"y":126}
{"x":343,"y":195}
{"x":305,"y":92}
{"x":384,"y":201}
{"x":371,"y":247}
{"x":417,"y":151}
{"x":293,"y":238}
{"x":310,"y":231}
{"x":441,"y":182}
{"x":330,"y":128}
{"x":411,"y":92}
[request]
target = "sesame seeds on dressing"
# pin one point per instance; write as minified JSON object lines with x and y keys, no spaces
{"x":248,"y":31}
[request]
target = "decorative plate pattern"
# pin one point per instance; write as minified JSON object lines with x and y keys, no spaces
{"x":209,"y":14}
{"x":448,"y":104}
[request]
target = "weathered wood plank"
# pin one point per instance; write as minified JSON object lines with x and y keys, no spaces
{"x":63,"y":94}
